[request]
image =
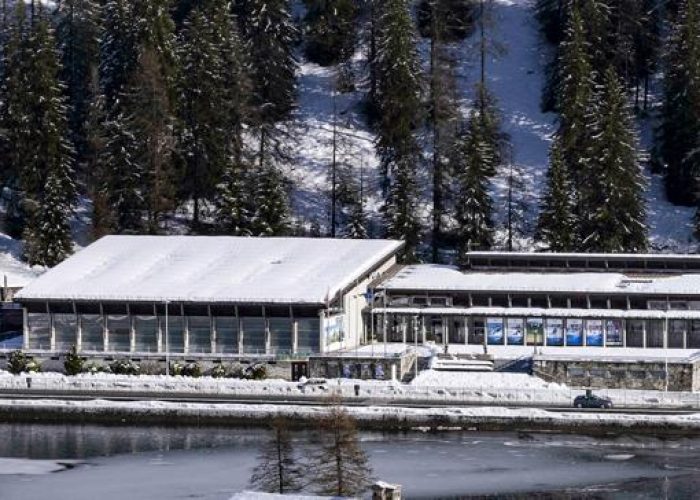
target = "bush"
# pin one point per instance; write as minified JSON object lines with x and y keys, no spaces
{"x":151,"y":368}
{"x":73,"y":364}
{"x":219,"y":371}
{"x":191,"y":370}
{"x":96,"y":368}
{"x":19,"y":363}
{"x":125,"y":367}
{"x":176,"y":368}
{"x":257,"y":372}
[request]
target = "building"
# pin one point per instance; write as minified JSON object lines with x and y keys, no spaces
{"x":206,"y":296}
{"x":540,"y":299}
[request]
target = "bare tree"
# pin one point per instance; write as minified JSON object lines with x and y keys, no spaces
{"x":278,"y":470}
{"x":340,"y":466}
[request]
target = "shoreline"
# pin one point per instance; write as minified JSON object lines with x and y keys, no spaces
{"x":376,"y":418}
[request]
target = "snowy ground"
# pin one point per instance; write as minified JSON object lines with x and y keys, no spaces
{"x":431,"y":386}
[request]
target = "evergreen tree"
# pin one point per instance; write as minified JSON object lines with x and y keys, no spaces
{"x":118,"y":48}
{"x":472,"y":161}
{"x":614,"y":205}
{"x":340,"y":466}
{"x":278,"y":470}
{"x":330,"y":30}
{"x":46,"y":156}
{"x":202,"y":109}
{"x":271,"y":217}
{"x":574,"y":96}
{"x":233,"y":208}
{"x":680,"y":125}
{"x":357,"y":222}
{"x":516,"y":205}
{"x":455,"y":17}
{"x":78,"y":34}
{"x":398,"y":73}
{"x":557,"y":225}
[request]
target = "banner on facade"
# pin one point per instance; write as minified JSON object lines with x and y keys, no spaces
{"x":535,"y":331}
{"x":494,"y":330}
{"x":594,"y":332}
{"x":614,"y":332}
{"x":555,"y":331}
{"x":574,"y":331}
{"x":333,"y":329}
{"x":515,"y":334}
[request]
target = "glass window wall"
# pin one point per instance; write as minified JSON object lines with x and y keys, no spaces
{"x":253,"y":335}
{"x":66,"y":331}
{"x":308,"y":331}
{"x":199,"y":328}
{"x":39,"y":327}
{"x":146,"y":332}
{"x":226,"y":335}
{"x":676,"y":333}
{"x":281,"y":335}
{"x":634,"y":333}
{"x":119,"y":330}
{"x":174,"y":336}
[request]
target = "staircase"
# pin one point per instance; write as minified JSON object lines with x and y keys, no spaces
{"x":522,"y":364}
{"x":447,"y":363}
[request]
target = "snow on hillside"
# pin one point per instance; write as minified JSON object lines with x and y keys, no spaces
{"x":514,"y":76}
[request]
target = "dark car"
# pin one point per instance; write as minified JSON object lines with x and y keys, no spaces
{"x":589,"y":400}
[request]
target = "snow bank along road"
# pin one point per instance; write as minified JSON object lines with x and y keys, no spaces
{"x":493,"y":389}
{"x":370,"y":417}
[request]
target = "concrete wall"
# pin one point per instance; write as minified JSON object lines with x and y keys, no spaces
{"x":651,"y":375}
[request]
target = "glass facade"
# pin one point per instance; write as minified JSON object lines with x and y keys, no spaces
{"x":199,"y":328}
{"x":119,"y":333}
{"x":175,"y":333}
{"x":281,"y":335}
{"x":146,"y":333}
{"x":66,"y":330}
{"x":226,"y":335}
{"x":254,"y":335}
{"x":308,"y":335}
{"x":39,"y":328}
{"x":92,"y":330}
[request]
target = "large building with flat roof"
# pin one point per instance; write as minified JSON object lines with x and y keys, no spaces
{"x":205,"y":296}
{"x":541,"y":299}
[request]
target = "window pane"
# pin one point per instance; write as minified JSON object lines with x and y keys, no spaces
{"x":66,"y":330}
{"x":574,"y":332}
{"x":515,"y":334}
{"x":253,"y":335}
{"x":309,"y":332}
{"x":226,"y":335}
{"x":200,"y":334}
{"x":118,"y":336}
{"x":494,"y":331}
{"x":39,"y":333}
{"x":280,"y":335}
{"x":555,"y":331}
{"x":655,"y":333}
{"x":92,"y":332}
{"x":676,"y":332}
{"x":613,"y":329}
{"x":173,"y":336}
{"x":635,"y":333}
{"x":694,"y":334}
{"x":146,"y":331}
{"x":476,"y":332}
{"x":594,"y":332}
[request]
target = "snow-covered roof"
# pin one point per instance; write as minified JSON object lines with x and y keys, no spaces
{"x":429,"y":277}
{"x":536,"y":312}
{"x":571,"y":255}
{"x":214,"y":269}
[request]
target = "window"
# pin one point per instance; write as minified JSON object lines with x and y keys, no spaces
{"x":676,"y":333}
{"x":146,"y":333}
{"x":479,"y":300}
{"x":226,"y":334}
{"x":655,"y":333}
{"x":119,"y":333}
{"x":253,"y":335}
{"x":494,"y":331}
{"x":420,"y":301}
{"x":199,"y":328}
{"x":559,"y":301}
{"x":599,"y":302}
{"x":694,"y":334}
{"x":439,"y":301}
{"x":579,"y":302}
{"x":38,"y":325}
{"x":613,"y":332}
{"x":618,"y":302}
{"x":280,"y":335}
{"x":92,"y":331}
{"x":657,"y":305}
{"x":399,"y":301}
{"x":638,"y":303}
{"x":476,"y":332}
{"x":634,"y":333}
{"x":174,"y":334}
{"x":678,"y":305}
{"x":65,"y":328}
{"x":519,"y":301}
{"x":539,"y":301}
{"x":499,"y":301}
{"x":309,"y":334}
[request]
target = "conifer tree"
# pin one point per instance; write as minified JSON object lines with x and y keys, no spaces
{"x":574,"y":96}
{"x":118,"y":48}
{"x":340,"y":466}
{"x":46,"y":156}
{"x":233,"y":208}
{"x":330,"y":30}
{"x":680,"y":126}
{"x":78,"y":33}
{"x":357,"y":222}
{"x":271,"y":204}
{"x":398,"y":73}
{"x":472,"y":160}
{"x":516,"y":205}
{"x":615,"y":219}
{"x":278,"y":469}
{"x":557,"y":224}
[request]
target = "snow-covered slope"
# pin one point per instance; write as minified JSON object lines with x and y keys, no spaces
{"x":515,"y":76}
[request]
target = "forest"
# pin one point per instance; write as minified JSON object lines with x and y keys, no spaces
{"x":173,"y":116}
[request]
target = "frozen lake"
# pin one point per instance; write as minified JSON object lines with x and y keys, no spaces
{"x":87,"y":462}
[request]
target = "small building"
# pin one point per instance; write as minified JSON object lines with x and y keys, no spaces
{"x":206,"y":296}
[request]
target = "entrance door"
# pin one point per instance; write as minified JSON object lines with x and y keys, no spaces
{"x":436,"y":331}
